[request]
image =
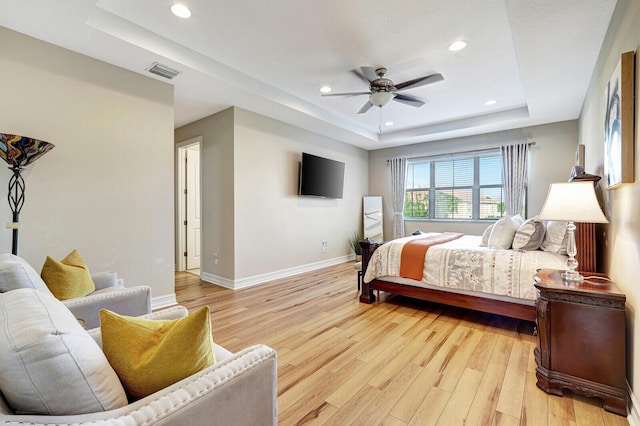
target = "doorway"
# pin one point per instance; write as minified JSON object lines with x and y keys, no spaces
{"x":188,"y":205}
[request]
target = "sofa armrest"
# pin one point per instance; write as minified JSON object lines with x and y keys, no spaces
{"x":241,"y":390}
{"x":106,"y":279}
{"x":133,"y":301}
{"x":174,"y":312}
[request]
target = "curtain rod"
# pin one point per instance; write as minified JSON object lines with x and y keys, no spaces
{"x":532,"y":143}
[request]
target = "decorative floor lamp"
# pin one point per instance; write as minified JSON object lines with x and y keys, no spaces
{"x":19,"y":152}
{"x":572,"y":202}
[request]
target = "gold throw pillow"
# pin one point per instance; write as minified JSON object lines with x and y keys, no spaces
{"x":149,"y":355}
{"x":69,"y":278}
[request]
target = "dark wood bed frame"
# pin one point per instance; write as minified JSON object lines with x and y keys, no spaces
{"x":585,"y":241}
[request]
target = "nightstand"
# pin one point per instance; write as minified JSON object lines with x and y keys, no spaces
{"x":581,"y":338}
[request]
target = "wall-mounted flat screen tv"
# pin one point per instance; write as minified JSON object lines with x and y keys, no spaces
{"x":321,"y":177}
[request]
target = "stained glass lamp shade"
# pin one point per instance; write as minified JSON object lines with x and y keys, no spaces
{"x":19,"y":152}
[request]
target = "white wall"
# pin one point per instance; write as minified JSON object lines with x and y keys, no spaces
{"x":217,"y":224}
{"x":276,"y":229}
{"x":106,"y":188}
{"x":622,"y":245}
{"x":550,"y":160}
{"x":266,"y":229}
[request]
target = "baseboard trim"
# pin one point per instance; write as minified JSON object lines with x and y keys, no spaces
{"x":270,"y":276}
{"x":160,"y":302}
{"x":217,"y":280}
{"x":633,"y":417}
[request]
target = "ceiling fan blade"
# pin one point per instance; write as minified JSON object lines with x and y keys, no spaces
{"x":420,"y":81}
{"x":346,"y":94}
{"x":362,"y":77}
{"x":366,"y":107}
{"x":409,"y":100}
{"x":369,"y":73}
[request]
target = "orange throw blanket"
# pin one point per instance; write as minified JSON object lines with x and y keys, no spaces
{"x":413,"y":253}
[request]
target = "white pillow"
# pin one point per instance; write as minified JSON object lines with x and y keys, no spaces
{"x":503,"y":232}
{"x":529,"y":235}
{"x":16,"y":273}
{"x":485,"y":236}
{"x":50,"y":364}
{"x":555,"y":239}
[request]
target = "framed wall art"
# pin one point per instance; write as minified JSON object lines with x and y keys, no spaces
{"x":619,"y":124}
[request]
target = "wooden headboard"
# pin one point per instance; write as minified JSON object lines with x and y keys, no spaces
{"x":586,"y":245}
{"x":586,"y":232}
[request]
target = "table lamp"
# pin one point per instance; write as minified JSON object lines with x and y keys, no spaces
{"x":572,"y":202}
{"x":18,"y":152}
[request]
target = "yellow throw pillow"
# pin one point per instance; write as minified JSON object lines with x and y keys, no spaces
{"x":69,"y":278}
{"x":149,"y":355}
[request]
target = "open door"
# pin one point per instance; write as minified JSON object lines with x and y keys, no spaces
{"x":188,"y":231}
{"x":192,"y":200}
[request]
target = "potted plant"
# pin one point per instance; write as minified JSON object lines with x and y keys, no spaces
{"x":355,"y":239}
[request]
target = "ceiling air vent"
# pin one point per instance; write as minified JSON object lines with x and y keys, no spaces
{"x":162,"y":70}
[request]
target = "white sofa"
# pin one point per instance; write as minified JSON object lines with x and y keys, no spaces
{"x":110,"y":291}
{"x":239,"y":389}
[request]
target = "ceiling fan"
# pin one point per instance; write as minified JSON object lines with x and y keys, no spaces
{"x":382,"y":90}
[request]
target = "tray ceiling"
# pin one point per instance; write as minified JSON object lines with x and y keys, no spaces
{"x":534,"y":58}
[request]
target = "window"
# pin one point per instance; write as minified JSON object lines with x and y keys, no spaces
{"x":464,"y":186}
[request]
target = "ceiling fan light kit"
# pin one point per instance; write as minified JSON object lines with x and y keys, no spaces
{"x":383,"y":90}
{"x":380,"y":99}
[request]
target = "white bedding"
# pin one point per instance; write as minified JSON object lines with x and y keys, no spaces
{"x":462,"y":264}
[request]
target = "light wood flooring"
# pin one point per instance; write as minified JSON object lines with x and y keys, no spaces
{"x":399,"y":362}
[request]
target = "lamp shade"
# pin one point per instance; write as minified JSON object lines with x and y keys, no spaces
{"x":573,"y":202}
{"x":19,"y":151}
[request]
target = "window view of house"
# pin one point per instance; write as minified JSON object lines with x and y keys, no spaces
{"x":461,"y":187}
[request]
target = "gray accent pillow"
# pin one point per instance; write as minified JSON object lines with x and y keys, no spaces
{"x":529,"y":236}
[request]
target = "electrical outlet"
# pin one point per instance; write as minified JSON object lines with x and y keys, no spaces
{"x":215,"y":258}
{"x":325,"y":247}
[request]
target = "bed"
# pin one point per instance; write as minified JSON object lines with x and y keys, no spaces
{"x":461,"y":273}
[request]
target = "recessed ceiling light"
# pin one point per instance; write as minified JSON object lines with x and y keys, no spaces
{"x":490,"y":102}
{"x":181,"y":11}
{"x":457,"y":45}
{"x":388,"y":123}
{"x":325,"y":89}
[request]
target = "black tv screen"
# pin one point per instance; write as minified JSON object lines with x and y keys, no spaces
{"x":321,"y":177}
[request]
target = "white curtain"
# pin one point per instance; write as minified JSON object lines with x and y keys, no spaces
{"x":398,"y":177}
{"x":514,"y":173}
